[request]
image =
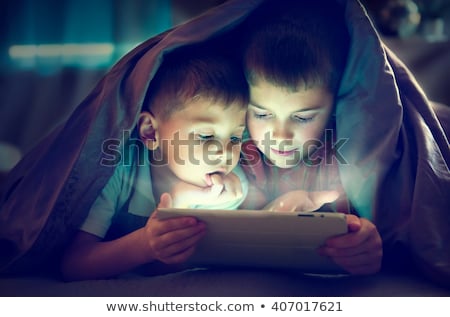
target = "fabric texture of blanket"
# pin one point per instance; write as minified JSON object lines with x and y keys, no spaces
{"x":397,"y":152}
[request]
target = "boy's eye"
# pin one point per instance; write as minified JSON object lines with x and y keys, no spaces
{"x":236,"y":140}
{"x":205,"y":137}
{"x":301,"y":119}
{"x":262,"y":115}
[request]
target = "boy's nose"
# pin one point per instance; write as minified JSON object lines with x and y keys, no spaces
{"x":225,"y":152}
{"x":281,"y":131}
{"x":218,"y":149}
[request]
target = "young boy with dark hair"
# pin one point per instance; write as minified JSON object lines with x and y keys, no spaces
{"x":191,"y":130}
{"x":294,"y":57}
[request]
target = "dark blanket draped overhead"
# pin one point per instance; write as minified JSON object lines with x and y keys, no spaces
{"x":398,"y":155}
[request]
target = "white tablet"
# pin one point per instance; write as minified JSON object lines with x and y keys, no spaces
{"x":257,"y":238}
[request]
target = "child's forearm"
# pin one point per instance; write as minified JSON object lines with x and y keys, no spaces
{"x":90,"y":258}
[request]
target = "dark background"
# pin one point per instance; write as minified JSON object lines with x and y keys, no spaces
{"x":40,"y":86}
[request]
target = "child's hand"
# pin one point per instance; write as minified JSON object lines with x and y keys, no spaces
{"x":223,"y":189}
{"x":360,"y":251}
{"x":172,"y":241}
{"x":300,"y":200}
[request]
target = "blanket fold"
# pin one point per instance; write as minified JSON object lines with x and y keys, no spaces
{"x":397,"y":154}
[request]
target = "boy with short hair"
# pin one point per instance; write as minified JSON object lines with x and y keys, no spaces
{"x":192,"y":133}
{"x":294,"y":57}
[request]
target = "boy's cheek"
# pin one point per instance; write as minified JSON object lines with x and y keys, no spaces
{"x":257,"y":132}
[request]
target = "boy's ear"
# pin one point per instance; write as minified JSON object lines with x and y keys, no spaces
{"x":148,"y":130}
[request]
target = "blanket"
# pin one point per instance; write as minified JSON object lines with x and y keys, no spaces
{"x":397,"y":153}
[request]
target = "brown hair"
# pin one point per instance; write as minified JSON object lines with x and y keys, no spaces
{"x":196,"y":71}
{"x":297,"y":43}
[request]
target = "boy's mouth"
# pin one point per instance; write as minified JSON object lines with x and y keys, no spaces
{"x":283,"y":153}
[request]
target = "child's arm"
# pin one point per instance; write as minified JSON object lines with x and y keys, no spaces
{"x":358,"y":252}
{"x":170,"y":241}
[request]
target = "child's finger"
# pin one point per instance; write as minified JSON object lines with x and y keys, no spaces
{"x":173,"y":224}
{"x":165,"y":201}
{"x":179,"y":257}
{"x":217,"y":179}
{"x":318,"y":198}
{"x":369,"y":245}
{"x":183,"y":241}
{"x":232,"y":184}
{"x":282,"y":205}
{"x":217,"y":184}
{"x":352,"y":238}
{"x":216,"y":190}
{"x":353,"y":223}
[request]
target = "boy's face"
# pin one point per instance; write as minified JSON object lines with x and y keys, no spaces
{"x":202,"y":139}
{"x":285,"y":125}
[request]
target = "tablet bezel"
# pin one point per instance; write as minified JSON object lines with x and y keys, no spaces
{"x":261,"y":238}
